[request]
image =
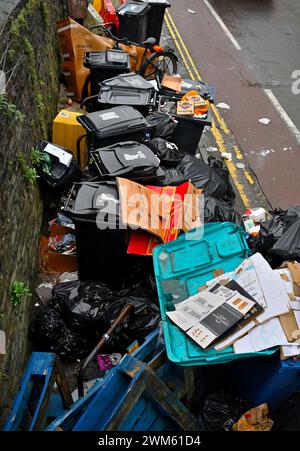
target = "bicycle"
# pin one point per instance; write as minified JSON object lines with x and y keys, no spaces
{"x":156,"y":61}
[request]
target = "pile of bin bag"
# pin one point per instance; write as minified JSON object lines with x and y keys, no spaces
{"x":73,"y":322}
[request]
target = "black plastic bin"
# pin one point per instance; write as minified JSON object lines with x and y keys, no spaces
{"x":156,"y":17}
{"x":100,"y":242}
{"x":130,"y":159}
{"x":128,"y":89}
{"x":104,"y":65}
{"x":107,"y":127}
{"x":189,"y":129}
{"x":133,"y":21}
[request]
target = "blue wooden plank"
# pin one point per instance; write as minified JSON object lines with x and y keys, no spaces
{"x":150,"y":414}
{"x":104,"y":404}
{"x":131,"y":419}
{"x":55,"y":407}
{"x":38,"y":365}
{"x":69,"y":417}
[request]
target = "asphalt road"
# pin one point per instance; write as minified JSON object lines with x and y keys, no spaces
{"x":249,"y":49}
{"x":268,"y":32}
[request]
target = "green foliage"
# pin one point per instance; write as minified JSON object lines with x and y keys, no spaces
{"x":36,"y":157}
{"x":9,"y":110}
{"x":45,"y":15}
{"x":17,"y":292}
{"x":3,"y":376}
{"x":29,"y":173}
{"x":39,"y":101}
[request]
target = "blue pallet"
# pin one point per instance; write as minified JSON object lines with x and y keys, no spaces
{"x":184,"y":265}
{"x":125,"y":400}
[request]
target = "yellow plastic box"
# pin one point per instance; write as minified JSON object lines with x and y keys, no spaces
{"x":66,"y":131}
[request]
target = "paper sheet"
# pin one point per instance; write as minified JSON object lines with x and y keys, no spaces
{"x":247,"y":277}
{"x":273,"y":289}
{"x":262,"y":337}
{"x":290,"y":351}
{"x":287,"y":279}
{"x":230,"y":340}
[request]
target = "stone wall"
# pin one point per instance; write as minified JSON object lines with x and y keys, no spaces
{"x":29,"y":56}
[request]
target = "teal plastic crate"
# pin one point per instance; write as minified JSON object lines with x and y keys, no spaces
{"x":184,"y":265}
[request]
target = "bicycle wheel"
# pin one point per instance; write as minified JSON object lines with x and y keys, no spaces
{"x":159,"y":64}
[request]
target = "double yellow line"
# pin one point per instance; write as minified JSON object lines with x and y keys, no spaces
{"x":222,"y":128}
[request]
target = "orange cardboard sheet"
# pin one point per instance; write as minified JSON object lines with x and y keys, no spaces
{"x":142,"y":242}
{"x":172,"y":82}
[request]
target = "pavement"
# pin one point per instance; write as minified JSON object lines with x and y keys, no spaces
{"x":248,"y":50}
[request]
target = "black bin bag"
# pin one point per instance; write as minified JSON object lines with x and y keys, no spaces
{"x":216,"y":210}
{"x":81,"y":312}
{"x":50,"y":333}
{"x":212,"y":179}
{"x":167,"y":152}
{"x":279,"y":237}
{"x":84,"y":305}
{"x":163,"y":125}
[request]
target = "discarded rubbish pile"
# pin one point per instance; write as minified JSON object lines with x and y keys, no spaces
{"x":149,"y":261}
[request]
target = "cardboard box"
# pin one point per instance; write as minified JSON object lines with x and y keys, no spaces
{"x":290,"y":326}
{"x":185,"y":108}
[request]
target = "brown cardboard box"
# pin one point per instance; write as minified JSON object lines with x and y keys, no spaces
{"x":294,"y":267}
{"x":290,"y":326}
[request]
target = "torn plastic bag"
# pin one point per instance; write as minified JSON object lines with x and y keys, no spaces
{"x":201,"y":175}
{"x":51,"y":333}
{"x":163,"y":126}
{"x":221,"y":411}
{"x":166,"y":151}
{"x":216,"y":210}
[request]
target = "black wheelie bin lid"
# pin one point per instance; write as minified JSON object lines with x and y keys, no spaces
{"x":107,"y":59}
{"x":88,"y":198}
{"x":114,"y":121}
{"x":130,"y":159}
{"x":126,"y":89}
{"x":132,"y":8}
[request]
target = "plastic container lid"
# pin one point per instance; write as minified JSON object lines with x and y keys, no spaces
{"x":108,"y":59}
{"x":130,"y":80}
{"x":114,"y":121}
{"x":133,"y":8}
{"x":125,"y":157}
{"x":164,"y":3}
{"x":181,"y":268}
{"x":92,"y":198}
{"x":126,"y":89}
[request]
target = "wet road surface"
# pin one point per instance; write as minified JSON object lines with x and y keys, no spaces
{"x":249,"y":49}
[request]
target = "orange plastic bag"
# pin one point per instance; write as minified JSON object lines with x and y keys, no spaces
{"x":75,"y":40}
{"x":201,"y":105}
